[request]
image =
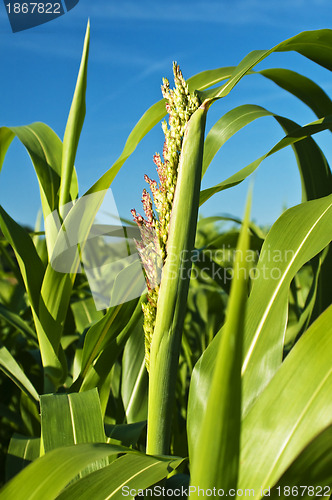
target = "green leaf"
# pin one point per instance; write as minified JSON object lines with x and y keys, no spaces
{"x":285,"y":414}
{"x":98,"y":373}
{"x":208,"y":78}
{"x":53,"y":303}
{"x":31,"y":267}
{"x":315,"y":183}
{"x":296,"y":237}
{"x":303,"y":317}
{"x":227,"y":126}
{"x":216,"y":459}
{"x":21,"y":452}
{"x":30,"y":414}
{"x":301,"y":87}
{"x":18,"y":323}
{"x":6,"y":138}
{"x":49,"y":294}
{"x":74,"y":127}
{"x":313,"y":467}
{"x":85,"y":313}
{"x":134,"y":386}
{"x":12,"y":369}
{"x":130,"y":472}
{"x":71,"y":419}
{"x":315,"y":45}
{"x":45,"y":149}
{"x":54,"y":362}
{"x":127,"y":434}
{"x":47,"y":476}
{"x":105,"y":331}
{"x":324,"y":283}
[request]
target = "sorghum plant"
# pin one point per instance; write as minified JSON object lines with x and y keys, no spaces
{"x":80,"y":408}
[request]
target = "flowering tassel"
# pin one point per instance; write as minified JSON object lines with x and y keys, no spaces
{"x":180,"y":105}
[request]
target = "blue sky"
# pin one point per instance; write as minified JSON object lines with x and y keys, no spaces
{"x":132,"y":47}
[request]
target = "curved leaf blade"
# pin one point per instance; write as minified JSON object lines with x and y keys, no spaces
{"x":47,"y":476}
{"x":315,"y":45}
{"x":321,"y":182}
{"x":226,"y":127}
{"x":313,"y":467}
{"x":31,"y":267}
{"x":301,"y":87}
{"x":22,"y":451}
{"x":134,"y":386}
{"x":298,"y":235}
{"x":12,"y":369}
{"x":285,"y":415}
{"x":15,"y":320}
{"x":127,"y":473}
{"x":45,"y":150}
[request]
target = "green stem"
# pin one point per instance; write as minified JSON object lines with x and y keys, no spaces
{"x":166,"y":340}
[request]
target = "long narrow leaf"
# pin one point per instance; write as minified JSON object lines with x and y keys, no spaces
{"x":45,"y":150}
{"x":315,"y":45}
{"x":11,"y":368}
{"x":16,"y":321}
{"x":31,"y":267}
{"x":298,"y":235}
{"x":216,"y":459}
{"x":47,"y":476}
{"x":106,"y":330}
{"x":134,"y":386}
{"x":130,"y":473}
{"x":295,"y":136}
{"x":311,"y":471}
{"x":74,"y":126}
{"x":286,"y":415}
{"x":301,"y":87}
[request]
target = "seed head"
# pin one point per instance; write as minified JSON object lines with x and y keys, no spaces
{"x":180,"y":105}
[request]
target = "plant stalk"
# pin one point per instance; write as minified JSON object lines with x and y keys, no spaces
{"x":171,"y":309}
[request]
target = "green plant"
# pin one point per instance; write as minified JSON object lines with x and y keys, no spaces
{"x":225,"y":361}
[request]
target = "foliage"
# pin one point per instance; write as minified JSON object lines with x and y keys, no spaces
{"x":242,"y":349}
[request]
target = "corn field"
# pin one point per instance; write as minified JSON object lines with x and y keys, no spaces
{"x":197,"y":363}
